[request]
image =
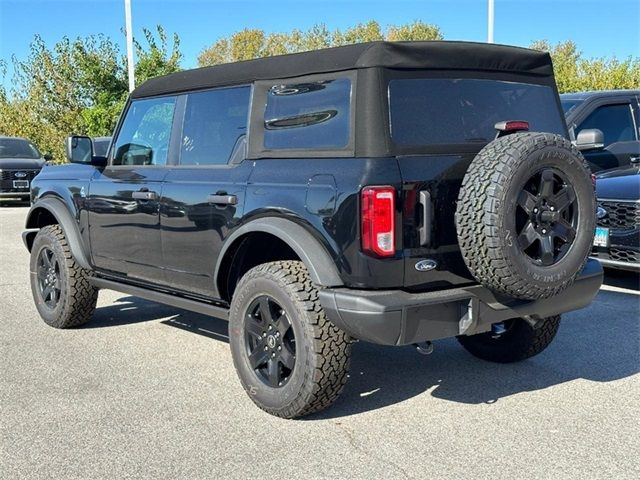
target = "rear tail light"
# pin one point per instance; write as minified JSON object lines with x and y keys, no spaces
{"x":510,"y":126}
{"x":378,"y":220}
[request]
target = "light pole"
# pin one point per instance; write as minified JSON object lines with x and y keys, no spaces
{"x":129,"y":31}
{"x":490,"y":22}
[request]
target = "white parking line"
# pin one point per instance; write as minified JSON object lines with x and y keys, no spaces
{"x":611,"y":288}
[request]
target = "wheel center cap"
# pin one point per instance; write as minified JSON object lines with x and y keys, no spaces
{"x":545,"y":214}
{"x":271,"y":341}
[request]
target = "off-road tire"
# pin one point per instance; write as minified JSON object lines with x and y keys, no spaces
{"x":77,"y":299}
{"x":519,"y":342}
{"x":322,"y":350}
{"x":485,"y":214}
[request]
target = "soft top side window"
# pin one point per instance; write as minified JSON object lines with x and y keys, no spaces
{"x":145,"y":133}
{"x":215,"y":123}
{"x":308,"y":115}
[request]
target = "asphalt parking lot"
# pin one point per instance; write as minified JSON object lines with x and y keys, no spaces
{"x":147,"y":391}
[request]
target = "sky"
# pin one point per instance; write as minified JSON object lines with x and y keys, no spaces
{"x":599,"y":27}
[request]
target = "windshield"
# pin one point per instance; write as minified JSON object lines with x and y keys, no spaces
{"x":17,"y":148}
{"x":569,"y":105}
{"x":428,"y":111}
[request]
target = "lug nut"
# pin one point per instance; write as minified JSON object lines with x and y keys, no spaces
{"x":266,"y":348}
{"x":535,"y":210}
{"x":264,"y":334}
{"x":552,"y":208}
{"x":279,"y":347}
{"x":273,"y":354}
{"x":544,"y":230}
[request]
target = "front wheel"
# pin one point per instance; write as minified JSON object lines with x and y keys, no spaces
{"x":517,"y":342}
{"x":291,"y":360}
{"x":60,"y":287}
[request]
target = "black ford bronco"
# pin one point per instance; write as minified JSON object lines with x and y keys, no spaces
{"x":395,"y":193}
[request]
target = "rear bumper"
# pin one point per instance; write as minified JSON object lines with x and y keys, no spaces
{"x":395,"y":317}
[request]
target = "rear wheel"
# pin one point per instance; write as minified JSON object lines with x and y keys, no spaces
{"x":291,"y":360}
{"x":517,"y":342}
{"x":60,"y":287}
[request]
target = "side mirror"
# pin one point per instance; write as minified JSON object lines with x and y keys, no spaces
{"x":79,"y":149}
{"x":590,"y":139}
{"x":48,"y":157}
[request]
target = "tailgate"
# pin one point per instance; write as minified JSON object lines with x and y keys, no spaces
{"x":428,"y":219}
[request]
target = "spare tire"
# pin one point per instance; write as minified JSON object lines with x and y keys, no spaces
{"x":525,"y":216}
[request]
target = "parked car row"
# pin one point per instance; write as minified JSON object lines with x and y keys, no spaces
{"x":21,"y":161}
{"x":605,"y":127}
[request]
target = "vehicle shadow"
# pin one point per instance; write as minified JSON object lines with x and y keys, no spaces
{"x":622,"y":279}
{"x":588,"y":347}
{"x":129,"y":310}
{"x":13,"y":202}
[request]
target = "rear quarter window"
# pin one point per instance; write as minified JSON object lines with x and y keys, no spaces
{"x":458,"y":111}
{"x":311,"y":115}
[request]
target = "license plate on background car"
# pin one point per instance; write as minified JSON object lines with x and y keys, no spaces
{"x":601,"y":238}
{"x":21,"y":184}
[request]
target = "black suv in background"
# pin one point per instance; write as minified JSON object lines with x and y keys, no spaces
{"x":395,"y":193}
{"x":20,"y":162}
{"x":605,"y":126}
{"x":617,"y":238}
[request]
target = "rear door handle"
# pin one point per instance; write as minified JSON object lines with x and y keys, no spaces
{"x":223,"y":199}
{"x":635,"y":159}
{"x":425,"y":229}
{"x":144,"y":195}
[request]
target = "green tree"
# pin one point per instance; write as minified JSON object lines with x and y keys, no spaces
{"x":360,"y":33}
{"x":575,"y":73}
{"x":247,"y":44}
{"x":77,"y":86}
{"x":414,"y":31}
{"x":156,"y":58}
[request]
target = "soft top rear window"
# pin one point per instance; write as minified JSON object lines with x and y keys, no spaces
{"x":427,"y":111}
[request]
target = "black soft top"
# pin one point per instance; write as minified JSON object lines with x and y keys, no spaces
{"x":441,"y":55}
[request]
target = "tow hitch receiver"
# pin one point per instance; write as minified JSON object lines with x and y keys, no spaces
{"x":424,"y":348}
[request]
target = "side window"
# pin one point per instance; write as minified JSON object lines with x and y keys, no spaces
{"x":215,"y":122}
{"x":308,"y":115}
{"x":145,"y":133}
{"x":615,"y":121}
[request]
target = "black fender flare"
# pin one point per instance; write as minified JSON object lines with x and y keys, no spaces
{"x":312,"y":253}
{"x":65,"y":219}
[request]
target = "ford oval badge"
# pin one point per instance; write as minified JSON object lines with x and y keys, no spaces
{"x":426,"y":265}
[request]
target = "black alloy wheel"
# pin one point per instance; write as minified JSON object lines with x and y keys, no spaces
{"x":48,"y":274}
{"x":270,"y":341}
{"x":290,"y":359}
{"x":63,"y":295}
{"x":546,"y":217}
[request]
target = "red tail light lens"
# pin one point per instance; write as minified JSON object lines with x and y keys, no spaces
{"x":378,"y":225}
{"x":512,"y":126}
